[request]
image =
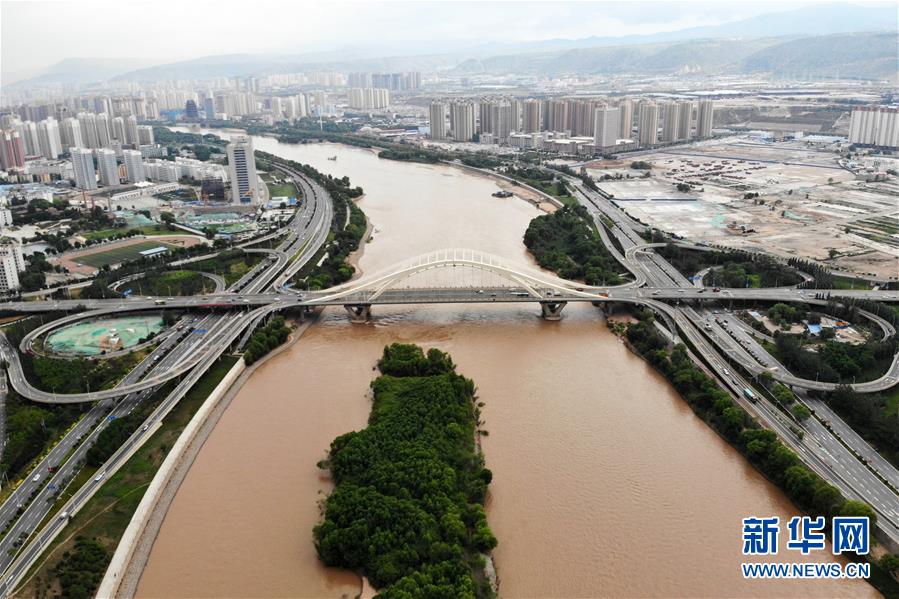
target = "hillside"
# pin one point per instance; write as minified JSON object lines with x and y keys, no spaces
{"x":860,"y":55}
{"x":863,"y":55}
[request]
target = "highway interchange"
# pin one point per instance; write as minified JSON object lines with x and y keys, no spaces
{"x":215,"y":322}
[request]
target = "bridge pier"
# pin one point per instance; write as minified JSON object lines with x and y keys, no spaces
{"x":359,"y":313}
{"x":552,"y":310}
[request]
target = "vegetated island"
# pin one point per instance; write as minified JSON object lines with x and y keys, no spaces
{"x":407,"y":510}
{"x":564,"y":243}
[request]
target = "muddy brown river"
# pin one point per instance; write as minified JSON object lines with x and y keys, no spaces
{"x":605,"y":482}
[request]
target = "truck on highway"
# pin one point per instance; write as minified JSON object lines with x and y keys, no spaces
{"x":750,"y":395}
{"x":159,"y":302}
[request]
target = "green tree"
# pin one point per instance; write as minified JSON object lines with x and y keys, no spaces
{"x":801,"y":412}
{"x":853,"y":508}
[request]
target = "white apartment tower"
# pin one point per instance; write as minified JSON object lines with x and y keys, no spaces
{"x":134,"y":165}
{"x":29,"y":133}
{"x":145,"y":135}
{"x":83,"y":167}
{"x":503,"y":127}
{"x":462,"y":122}
{"x":437,"y":120}
{"x":109,"y":169}
{"x":88,"y":123}
{"x":515,"y":108}
{"x":242,"y":170}
{"x":625,"y":118}
{"x":71,"y":134}
{"x":12,"y":262}
{"x":606,"y":126}
{"x":131,"y":130}
{"x":118,"y":130}
{"x":48,"y":134}
{"x":670,"y":121}
{"x":875,"y":126}
{"x":530,"y":120}
{"x":648,"y":123}
{"x":685,"y":120}
{"x":704,"y":118}
{"x":104,"y":136}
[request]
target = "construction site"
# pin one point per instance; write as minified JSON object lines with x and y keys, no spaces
{"x":792,"y":199}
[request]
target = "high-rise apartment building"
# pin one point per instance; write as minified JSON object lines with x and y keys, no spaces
{"x":530,"y":120}
{"x":118,"y":130}
{"x":28,"y":133}
{"x":71,"y":134}
{"x":145,"y":135}
{"x":48,"y":134}
{"x":503,"y":122}
{"x":209,"y":107}
{"x":485,"y":116}
{"x":12,"y":149}
{"x":648,"y":123}
{"x":625,"y":118}
{"x":368,"y":97}
{"x":670,"y":120}
{"x":12,"y":262}
{"x":875,"y":126}
{"x":462,"y":121}
{"x":242,"y":170}
{"x":83,"y":168}
{"x":556,"y":116}
{"x":109,"y":168}
{"x":437,"y":120}
{"x":88,"y":123}
{"x":131,"y":135}
{"x":515,"y":116}
{"x":704,"y":118}
{"x":5,"y":217}
{"x":605,"y":127}
{"x":685,"y":120}
{"x":104,"y":135}
{"x":134,"y":166}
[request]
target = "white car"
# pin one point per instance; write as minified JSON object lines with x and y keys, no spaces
{"x":99,"y":477}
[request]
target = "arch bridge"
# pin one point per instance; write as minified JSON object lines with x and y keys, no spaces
{"x":465,"y":276}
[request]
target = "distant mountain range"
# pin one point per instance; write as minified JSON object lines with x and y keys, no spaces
{"x":812,"y":40}
{"x":849,"y":55}
{"x":823,"y":19}
{"x":83,"y":70}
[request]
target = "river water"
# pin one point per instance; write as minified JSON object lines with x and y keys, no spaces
{"x":605,"y":483}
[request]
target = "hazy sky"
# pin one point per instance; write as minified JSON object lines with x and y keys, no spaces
{"x":38,"y":33}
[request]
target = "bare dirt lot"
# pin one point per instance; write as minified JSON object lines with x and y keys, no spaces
{"x":807,"y":205}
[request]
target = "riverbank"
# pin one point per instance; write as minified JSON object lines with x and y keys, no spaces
{"x":123,"y":581}
{"x":107,"y":514}
{"x":761,"y":447}
{"x":356,"y":255}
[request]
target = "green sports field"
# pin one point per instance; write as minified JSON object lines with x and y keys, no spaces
{"x":120,"y":254}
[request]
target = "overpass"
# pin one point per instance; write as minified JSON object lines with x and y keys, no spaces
{"x":467,"y":277}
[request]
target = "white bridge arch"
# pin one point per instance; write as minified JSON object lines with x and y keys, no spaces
{"x":369,"y":289}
